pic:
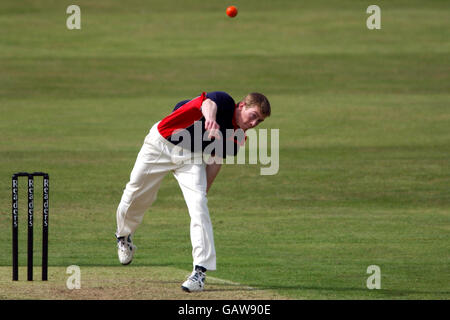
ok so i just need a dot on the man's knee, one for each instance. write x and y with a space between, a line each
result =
198 201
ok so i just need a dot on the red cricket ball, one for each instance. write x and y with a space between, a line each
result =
232 11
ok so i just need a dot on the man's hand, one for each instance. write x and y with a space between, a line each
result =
209 111
213 128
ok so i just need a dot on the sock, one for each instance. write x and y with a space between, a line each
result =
200 268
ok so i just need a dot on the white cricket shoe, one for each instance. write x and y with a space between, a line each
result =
195 282
125 249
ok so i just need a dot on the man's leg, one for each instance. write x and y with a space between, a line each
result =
139 194
152 164
192 181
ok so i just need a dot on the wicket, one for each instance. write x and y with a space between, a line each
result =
15 224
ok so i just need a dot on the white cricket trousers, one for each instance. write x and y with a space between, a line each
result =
155 159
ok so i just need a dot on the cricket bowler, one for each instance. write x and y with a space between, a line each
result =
191 142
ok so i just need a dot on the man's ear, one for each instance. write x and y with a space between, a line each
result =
241 105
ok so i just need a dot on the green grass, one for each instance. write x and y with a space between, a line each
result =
364 124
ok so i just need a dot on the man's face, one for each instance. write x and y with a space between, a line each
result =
249 117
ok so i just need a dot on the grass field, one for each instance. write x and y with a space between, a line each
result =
364 120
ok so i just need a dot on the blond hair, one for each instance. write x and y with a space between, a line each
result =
259 100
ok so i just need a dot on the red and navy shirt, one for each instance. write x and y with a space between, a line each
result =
187 112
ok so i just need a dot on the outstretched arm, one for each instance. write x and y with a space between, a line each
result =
211 173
